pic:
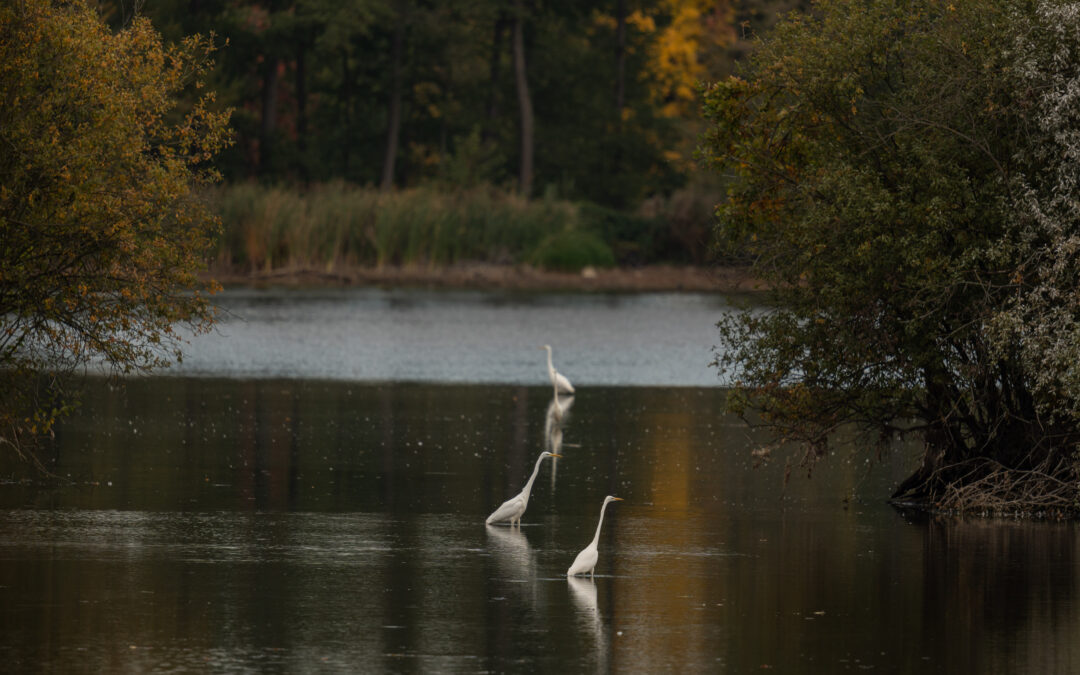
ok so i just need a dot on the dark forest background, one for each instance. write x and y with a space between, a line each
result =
595 103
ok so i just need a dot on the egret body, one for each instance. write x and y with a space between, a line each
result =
513 508
585 562
558 380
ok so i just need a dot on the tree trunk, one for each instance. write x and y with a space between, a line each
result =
268 123
393 130
301 110
943 440
495 70
524 101
620 60
345 111
614 159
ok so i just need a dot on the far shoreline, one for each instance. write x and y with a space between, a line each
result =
482 276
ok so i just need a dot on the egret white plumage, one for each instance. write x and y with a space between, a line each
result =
585 562
512 509
561 384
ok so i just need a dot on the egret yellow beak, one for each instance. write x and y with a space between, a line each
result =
554 455
617 499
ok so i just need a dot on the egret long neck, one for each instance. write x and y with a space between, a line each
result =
528 486
596 537
551 367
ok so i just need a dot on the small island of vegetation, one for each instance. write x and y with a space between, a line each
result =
904 174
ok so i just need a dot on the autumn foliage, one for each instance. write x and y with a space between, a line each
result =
904 176
101 237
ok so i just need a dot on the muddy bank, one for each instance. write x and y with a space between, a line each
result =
508 277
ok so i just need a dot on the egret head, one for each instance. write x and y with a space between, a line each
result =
613 499
551 454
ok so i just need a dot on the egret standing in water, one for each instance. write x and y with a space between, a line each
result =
585 562
561 384
513 508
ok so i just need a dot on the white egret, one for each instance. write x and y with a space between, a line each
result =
561 384
585 562
513 508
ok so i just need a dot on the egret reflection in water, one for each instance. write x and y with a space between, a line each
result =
583 592
554 421
557 413
513 556
583 598
554 441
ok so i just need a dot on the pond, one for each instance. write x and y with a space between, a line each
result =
265 521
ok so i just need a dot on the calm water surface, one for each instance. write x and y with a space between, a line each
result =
467 337
262 522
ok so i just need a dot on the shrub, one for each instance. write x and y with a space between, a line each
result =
572 251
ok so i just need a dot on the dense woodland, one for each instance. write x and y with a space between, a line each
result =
583 100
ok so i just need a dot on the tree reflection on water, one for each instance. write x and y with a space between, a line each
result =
298 524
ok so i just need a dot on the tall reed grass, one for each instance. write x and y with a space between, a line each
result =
336 226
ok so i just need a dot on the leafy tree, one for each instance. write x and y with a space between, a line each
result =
101 235
386 92
904 176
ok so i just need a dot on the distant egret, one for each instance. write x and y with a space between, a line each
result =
513 508
562 385
585 562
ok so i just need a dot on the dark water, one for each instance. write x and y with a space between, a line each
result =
270 525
